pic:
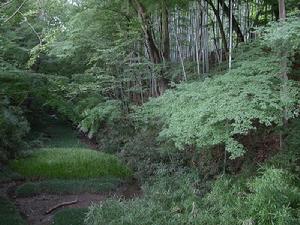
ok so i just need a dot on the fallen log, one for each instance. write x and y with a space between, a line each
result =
61 205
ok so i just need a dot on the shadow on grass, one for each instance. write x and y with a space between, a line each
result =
70 217
9 214
92 186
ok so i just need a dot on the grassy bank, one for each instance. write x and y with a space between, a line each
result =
70 163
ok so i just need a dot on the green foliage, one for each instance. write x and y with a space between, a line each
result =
279 35
112 138
106 122
9 214
68 186
224 204
94 67
70 163
169 200
220 109
83 98
70 217
108 112
274 198
289 157
25 97
270 198
147 156
21 87
13 128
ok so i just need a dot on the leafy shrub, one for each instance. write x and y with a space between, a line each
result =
221 109
13 129
289 157
107 123
281 34
107 112
146 155
112 138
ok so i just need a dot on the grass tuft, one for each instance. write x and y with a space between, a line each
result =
68 186
70 163
9 214
70 217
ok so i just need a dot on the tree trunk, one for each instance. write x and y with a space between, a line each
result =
217 14
235 24
181 59
284 75
282 14
153 51
146 26
230 33
165 32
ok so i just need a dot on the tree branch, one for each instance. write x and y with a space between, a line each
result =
18 10
32 28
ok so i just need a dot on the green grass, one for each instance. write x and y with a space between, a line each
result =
68 186
70 163
70 217
9 214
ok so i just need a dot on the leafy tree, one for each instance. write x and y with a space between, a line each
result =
221 109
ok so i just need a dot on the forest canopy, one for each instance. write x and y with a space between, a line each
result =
197 100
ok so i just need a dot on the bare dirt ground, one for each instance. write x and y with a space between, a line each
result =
34 209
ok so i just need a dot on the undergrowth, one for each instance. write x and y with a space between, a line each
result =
272 197
61 135
7 175
170 200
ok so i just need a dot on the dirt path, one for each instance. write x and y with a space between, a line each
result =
35 208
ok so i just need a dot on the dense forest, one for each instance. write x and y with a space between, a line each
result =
149 112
